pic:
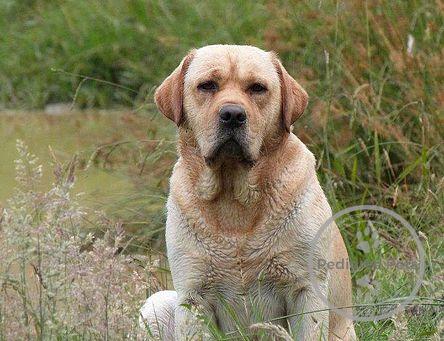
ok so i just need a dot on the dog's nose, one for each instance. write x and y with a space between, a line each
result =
232 116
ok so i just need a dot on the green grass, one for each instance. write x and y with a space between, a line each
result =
375 120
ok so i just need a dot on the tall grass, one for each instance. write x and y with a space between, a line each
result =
57 280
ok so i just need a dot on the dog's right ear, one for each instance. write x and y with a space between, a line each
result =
169 95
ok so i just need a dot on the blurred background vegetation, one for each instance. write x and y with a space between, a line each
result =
79 76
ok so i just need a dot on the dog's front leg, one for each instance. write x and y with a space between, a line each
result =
306 321
190 318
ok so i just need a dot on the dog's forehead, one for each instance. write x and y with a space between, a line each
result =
239 60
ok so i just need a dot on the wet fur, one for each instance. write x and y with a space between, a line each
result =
240 232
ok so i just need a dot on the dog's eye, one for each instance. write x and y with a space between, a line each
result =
257 88
208 86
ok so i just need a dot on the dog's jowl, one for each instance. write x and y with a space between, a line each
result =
244 205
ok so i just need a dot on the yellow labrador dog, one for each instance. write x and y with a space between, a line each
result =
244 204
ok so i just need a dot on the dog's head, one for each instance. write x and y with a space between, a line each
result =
235 100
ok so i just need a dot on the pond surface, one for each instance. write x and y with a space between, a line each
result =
66 135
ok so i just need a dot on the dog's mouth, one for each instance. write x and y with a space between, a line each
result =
229 150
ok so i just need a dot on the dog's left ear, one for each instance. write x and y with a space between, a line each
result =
294 98
169 95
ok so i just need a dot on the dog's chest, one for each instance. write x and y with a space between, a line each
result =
248 276
269 255
244 263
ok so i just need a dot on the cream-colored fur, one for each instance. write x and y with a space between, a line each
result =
238 235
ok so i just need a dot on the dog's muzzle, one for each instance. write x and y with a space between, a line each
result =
232 142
